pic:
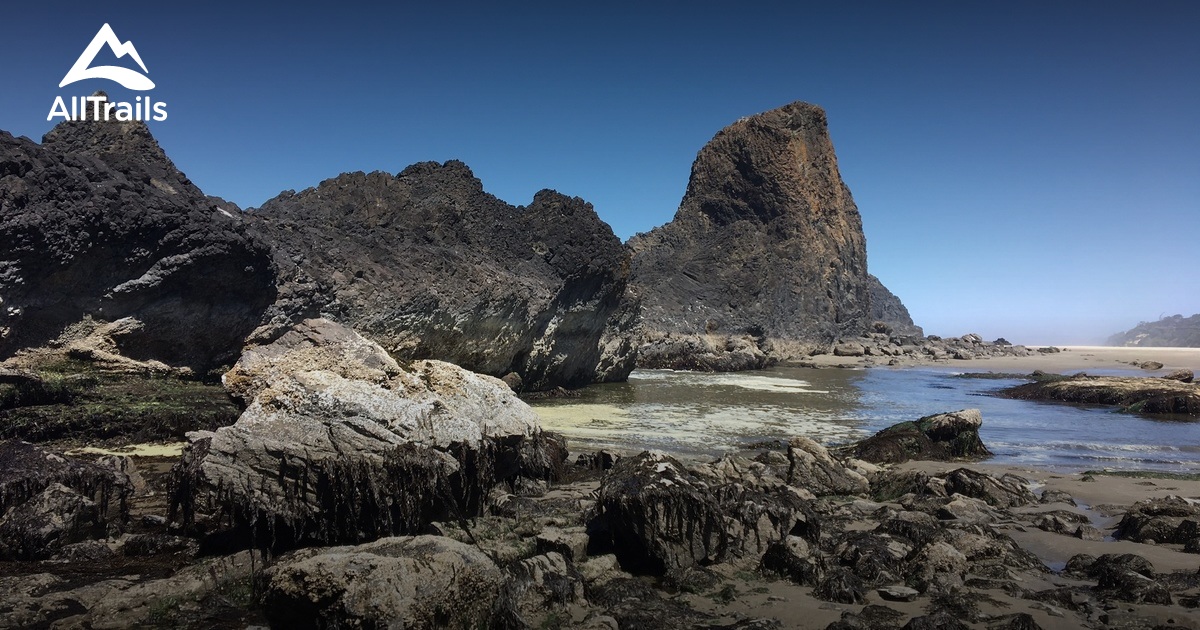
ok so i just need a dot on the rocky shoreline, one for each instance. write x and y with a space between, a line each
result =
423 495
361 463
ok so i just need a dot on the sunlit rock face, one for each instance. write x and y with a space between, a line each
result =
340 443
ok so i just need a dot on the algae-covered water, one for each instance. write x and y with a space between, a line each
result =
700 414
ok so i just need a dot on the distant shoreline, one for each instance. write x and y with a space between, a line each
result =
1070 359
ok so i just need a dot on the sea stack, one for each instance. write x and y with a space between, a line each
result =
765 258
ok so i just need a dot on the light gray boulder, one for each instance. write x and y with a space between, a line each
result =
403 582
339 443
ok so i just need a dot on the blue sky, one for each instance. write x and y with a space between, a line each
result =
1024 169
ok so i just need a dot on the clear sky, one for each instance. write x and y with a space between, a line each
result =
1024 169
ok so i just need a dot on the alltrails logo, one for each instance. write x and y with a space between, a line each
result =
98 107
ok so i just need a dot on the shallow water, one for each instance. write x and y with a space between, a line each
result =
700 414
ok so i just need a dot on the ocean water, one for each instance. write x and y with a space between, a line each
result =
701 415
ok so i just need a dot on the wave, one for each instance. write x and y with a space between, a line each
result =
1098 446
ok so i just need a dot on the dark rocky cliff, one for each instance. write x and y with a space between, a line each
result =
430 266
887 308
98 226
765 257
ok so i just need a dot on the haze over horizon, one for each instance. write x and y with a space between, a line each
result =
1023 170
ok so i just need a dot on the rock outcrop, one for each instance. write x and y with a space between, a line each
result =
412 582
1169 519
1134 394
109 254
664 517
48 501
98 226
810 466
430 266
940 437
885 346
340 444
766 248
887 309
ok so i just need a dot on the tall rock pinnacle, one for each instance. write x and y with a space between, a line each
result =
765 256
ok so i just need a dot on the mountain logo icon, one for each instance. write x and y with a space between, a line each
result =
131 79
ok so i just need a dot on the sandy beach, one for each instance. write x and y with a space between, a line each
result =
1069 359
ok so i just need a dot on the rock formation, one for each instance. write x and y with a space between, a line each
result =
872 348
664 517
1134 394
810 466
888 309
1169 519
340 444
765 257
413 582
940 437
430 266
108 253
48 501
98 226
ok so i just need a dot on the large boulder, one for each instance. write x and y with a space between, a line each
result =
941 437
662 516
57 517
1128 577
767 246
97 225
339 443
1005 491
1161 519
406 582
430 266
946 494
1182 375
48 501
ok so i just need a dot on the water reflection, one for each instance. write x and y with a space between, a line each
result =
697 414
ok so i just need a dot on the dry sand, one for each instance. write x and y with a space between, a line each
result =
1070 359
1075 358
